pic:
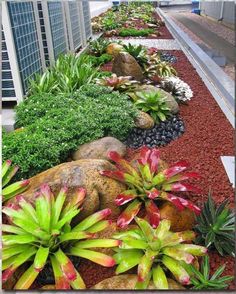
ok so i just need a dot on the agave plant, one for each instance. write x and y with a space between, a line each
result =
216 227
155 251
201 278
8 172
153 103
139 52
43 234
147 183
98 47
118 83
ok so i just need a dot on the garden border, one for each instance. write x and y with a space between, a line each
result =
221 88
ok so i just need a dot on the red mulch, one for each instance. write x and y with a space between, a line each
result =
208 135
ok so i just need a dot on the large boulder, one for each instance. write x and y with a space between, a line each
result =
127 282
169 99
99 149
101 190
144 121
114 49
180 220
125 65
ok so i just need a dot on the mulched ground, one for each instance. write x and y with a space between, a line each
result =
208 135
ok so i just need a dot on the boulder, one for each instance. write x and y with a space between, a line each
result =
99 149
114 49
101 190
127 282
125 65
169 99
170 102
144 121
180 220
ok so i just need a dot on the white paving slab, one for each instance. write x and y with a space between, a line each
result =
162 44
229 165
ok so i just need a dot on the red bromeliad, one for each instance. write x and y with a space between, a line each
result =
148 183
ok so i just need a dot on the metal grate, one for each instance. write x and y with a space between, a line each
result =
7 81
87 21
55 11
26 40
75 25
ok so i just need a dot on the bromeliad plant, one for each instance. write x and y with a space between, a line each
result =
153 103
216 227
156 251
161 69
139 52
98 47
121 84
147 183
201 278
8 172
43 234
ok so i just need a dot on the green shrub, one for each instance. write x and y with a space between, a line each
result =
135 33
97 61
50 136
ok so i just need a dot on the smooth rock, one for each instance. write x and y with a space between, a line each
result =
169 99
127 282
180 220
101 190
114 49
99 149
144 121
125 65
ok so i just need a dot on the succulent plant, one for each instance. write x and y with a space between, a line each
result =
156 251
161 69
201 278
98 47
139 52
8 172
118 83
43 234
147 183
178 88
216 227
153 103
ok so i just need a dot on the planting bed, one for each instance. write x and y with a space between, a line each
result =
208 135
199 134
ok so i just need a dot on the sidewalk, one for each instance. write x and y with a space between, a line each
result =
209 34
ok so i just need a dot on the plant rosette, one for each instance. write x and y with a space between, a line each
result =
157 252
43 234
146 184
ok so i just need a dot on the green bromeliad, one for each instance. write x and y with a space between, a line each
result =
43 234
156 252
8 172
147 183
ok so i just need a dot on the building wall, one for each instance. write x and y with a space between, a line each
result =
219 10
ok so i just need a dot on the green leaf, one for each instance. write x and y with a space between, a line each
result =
159 278
27 279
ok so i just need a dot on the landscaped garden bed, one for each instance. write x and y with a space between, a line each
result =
76 121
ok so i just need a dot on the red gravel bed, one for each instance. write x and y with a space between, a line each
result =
208 135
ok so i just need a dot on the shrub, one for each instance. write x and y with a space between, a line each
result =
98 47
43 234
155 251
131 32
50 136
147 183
97 61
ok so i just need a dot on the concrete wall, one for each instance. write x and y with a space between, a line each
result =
97 7
219 10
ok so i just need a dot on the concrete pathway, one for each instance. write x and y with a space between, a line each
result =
161 44
211 39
